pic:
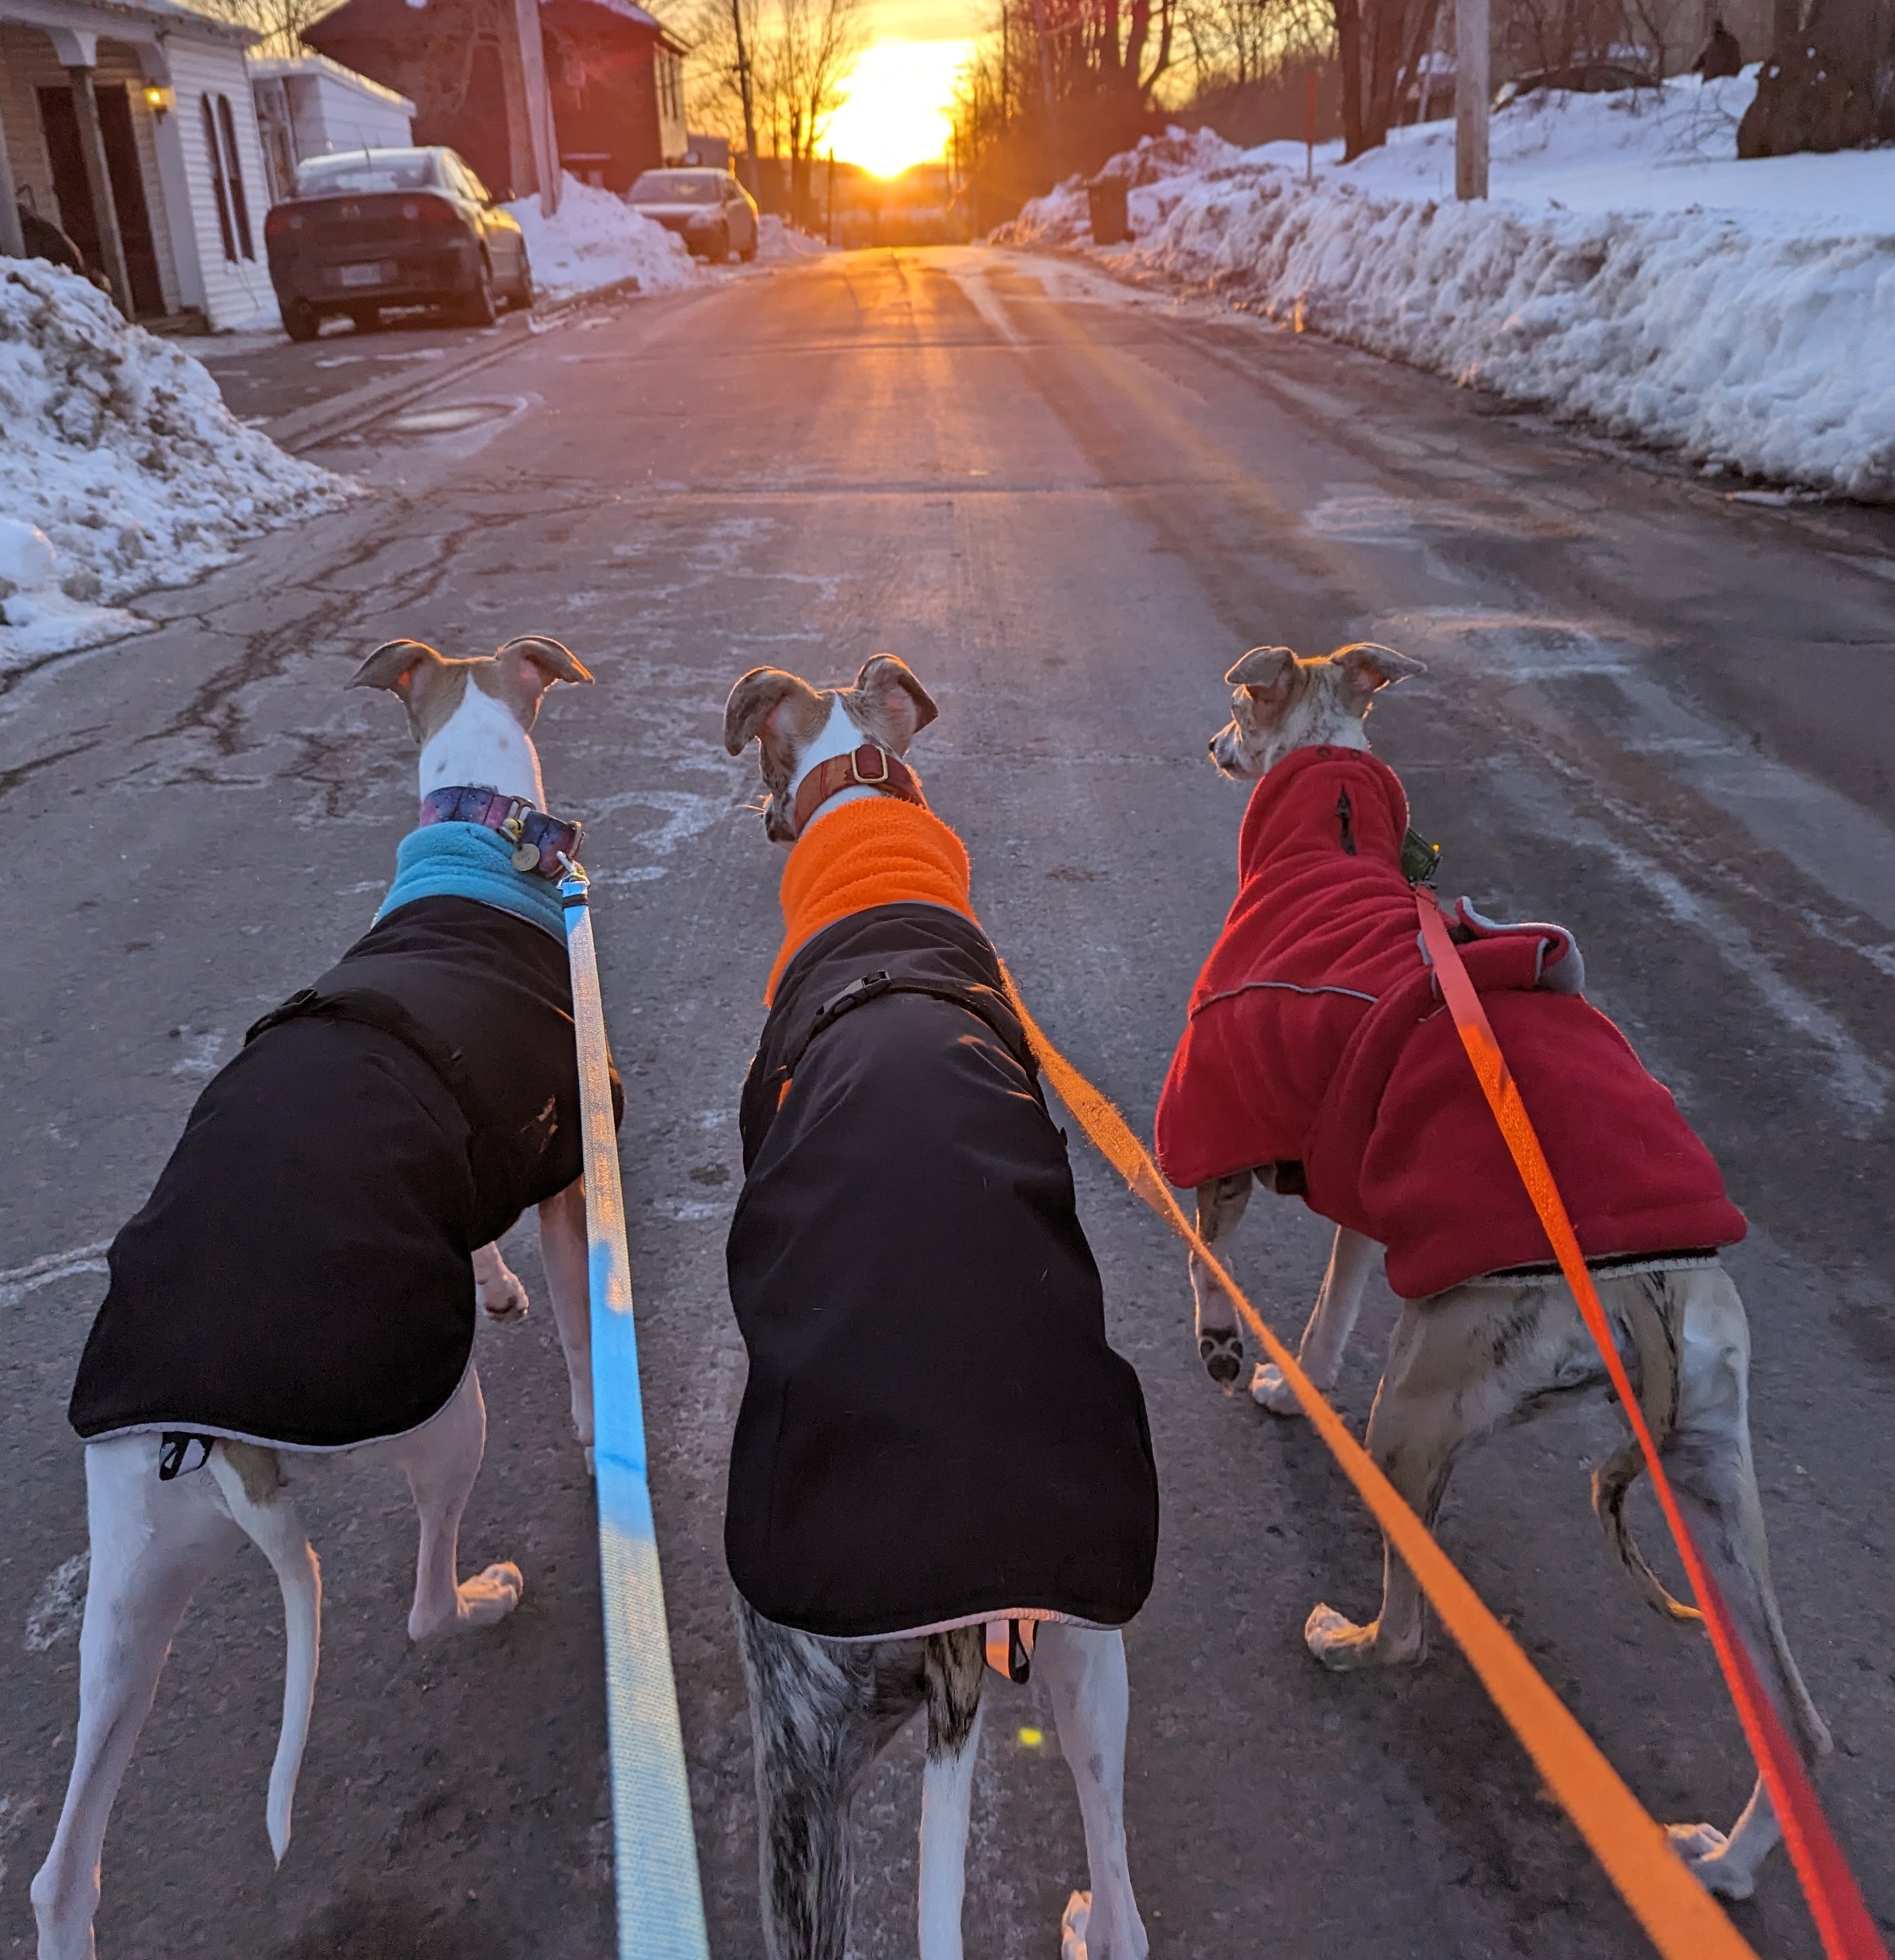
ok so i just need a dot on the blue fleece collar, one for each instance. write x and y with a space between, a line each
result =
467 860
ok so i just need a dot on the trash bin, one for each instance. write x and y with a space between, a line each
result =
1105 202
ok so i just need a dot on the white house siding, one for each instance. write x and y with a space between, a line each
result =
235 292
332 114
21 51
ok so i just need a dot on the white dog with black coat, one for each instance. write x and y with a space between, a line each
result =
304 1280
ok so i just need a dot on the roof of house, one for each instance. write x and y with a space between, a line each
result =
278 67
626 10
96 16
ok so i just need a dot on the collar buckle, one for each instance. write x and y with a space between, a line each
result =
856 765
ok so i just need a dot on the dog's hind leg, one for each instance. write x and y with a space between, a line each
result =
954 1664
1221 1204
153 1544
1459 1365
1084 1669
821 1712
1352 1261
564 1252
1711 1469
442 1459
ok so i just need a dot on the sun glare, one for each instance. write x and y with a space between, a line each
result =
894 110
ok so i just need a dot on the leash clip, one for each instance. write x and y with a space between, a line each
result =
574 887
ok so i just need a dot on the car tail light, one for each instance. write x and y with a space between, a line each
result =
282 219
431 211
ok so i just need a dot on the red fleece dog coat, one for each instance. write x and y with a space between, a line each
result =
1317 1035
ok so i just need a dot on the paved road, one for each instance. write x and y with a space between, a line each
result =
265 375
1658 714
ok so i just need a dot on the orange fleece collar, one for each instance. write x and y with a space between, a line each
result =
878 852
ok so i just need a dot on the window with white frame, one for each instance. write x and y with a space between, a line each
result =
227 179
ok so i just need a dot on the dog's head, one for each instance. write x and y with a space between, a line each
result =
1280 701
797 726
473 718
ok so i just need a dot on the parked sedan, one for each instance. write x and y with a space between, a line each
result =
709 209
369 228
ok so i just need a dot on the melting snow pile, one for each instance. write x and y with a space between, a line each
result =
120 467
776 241
596 239
1628 270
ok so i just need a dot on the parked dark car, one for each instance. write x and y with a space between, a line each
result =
709 209
366 229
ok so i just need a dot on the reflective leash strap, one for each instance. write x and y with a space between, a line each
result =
1835 1901
1683 1920
661 1904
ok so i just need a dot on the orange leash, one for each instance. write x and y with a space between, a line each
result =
1835 1901
1683 1920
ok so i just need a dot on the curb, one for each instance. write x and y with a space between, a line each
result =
321 422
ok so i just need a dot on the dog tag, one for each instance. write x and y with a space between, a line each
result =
527 858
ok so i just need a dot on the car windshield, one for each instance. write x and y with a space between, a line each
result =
359 171
677 187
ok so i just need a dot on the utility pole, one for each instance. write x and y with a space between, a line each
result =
1471 33
743 86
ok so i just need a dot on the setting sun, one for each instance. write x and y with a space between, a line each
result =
894 111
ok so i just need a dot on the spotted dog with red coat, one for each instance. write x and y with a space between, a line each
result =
1319 1061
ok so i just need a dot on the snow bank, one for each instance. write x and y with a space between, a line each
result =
1628 271
777 243
120 467
598 240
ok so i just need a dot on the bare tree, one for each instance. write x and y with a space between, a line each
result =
799 53
280 22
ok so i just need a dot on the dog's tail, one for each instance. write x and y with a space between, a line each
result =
1650 1320
252 1483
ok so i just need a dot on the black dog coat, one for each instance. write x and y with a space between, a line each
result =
302 1274
934 1431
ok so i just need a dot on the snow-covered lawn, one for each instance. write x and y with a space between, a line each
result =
596 239
120 467
1627 269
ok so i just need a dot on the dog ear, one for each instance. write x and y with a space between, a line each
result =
392 665
755 698
896 697
1367 668
525 668
1266 671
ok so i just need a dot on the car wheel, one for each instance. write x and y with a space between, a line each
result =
748 253
367 319
478 308
522 299
300 320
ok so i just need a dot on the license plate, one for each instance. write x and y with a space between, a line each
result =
362 276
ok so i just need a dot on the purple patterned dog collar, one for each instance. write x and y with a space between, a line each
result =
539 840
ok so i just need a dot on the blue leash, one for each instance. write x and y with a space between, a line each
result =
660 1903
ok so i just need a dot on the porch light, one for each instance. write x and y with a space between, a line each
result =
158 99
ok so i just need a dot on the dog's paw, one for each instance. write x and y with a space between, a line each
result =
1343 1646
1702 1848
500 1293
1222 1351
477 1602
1072 1926
1269 1388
